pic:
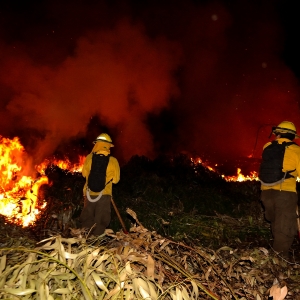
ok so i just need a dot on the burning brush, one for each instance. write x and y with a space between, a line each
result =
19 201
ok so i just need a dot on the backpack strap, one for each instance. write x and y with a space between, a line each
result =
288 173
289 144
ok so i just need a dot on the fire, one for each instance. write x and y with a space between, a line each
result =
198 160
18 193
239 177
62 164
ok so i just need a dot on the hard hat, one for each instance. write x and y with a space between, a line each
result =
285 127
104 137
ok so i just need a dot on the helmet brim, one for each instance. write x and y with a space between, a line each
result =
96 141
278 130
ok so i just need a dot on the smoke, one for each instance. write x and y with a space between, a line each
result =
216 71
234 81
118 74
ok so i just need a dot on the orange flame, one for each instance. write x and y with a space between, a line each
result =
18 194
238 177
62 164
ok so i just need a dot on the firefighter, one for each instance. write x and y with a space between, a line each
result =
280 198
96 213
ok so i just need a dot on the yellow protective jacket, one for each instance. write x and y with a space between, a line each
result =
112 171
291 161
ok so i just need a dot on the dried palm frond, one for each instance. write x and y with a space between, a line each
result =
139 265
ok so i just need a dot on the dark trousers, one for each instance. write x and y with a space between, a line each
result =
280 210
96 213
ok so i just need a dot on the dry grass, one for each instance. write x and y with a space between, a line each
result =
138 265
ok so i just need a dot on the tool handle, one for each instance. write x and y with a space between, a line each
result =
298 221
119 216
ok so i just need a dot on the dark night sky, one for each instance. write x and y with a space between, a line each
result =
199 77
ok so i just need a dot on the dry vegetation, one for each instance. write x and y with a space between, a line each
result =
173 250
138 265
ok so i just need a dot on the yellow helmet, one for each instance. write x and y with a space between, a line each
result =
104 137
285 127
